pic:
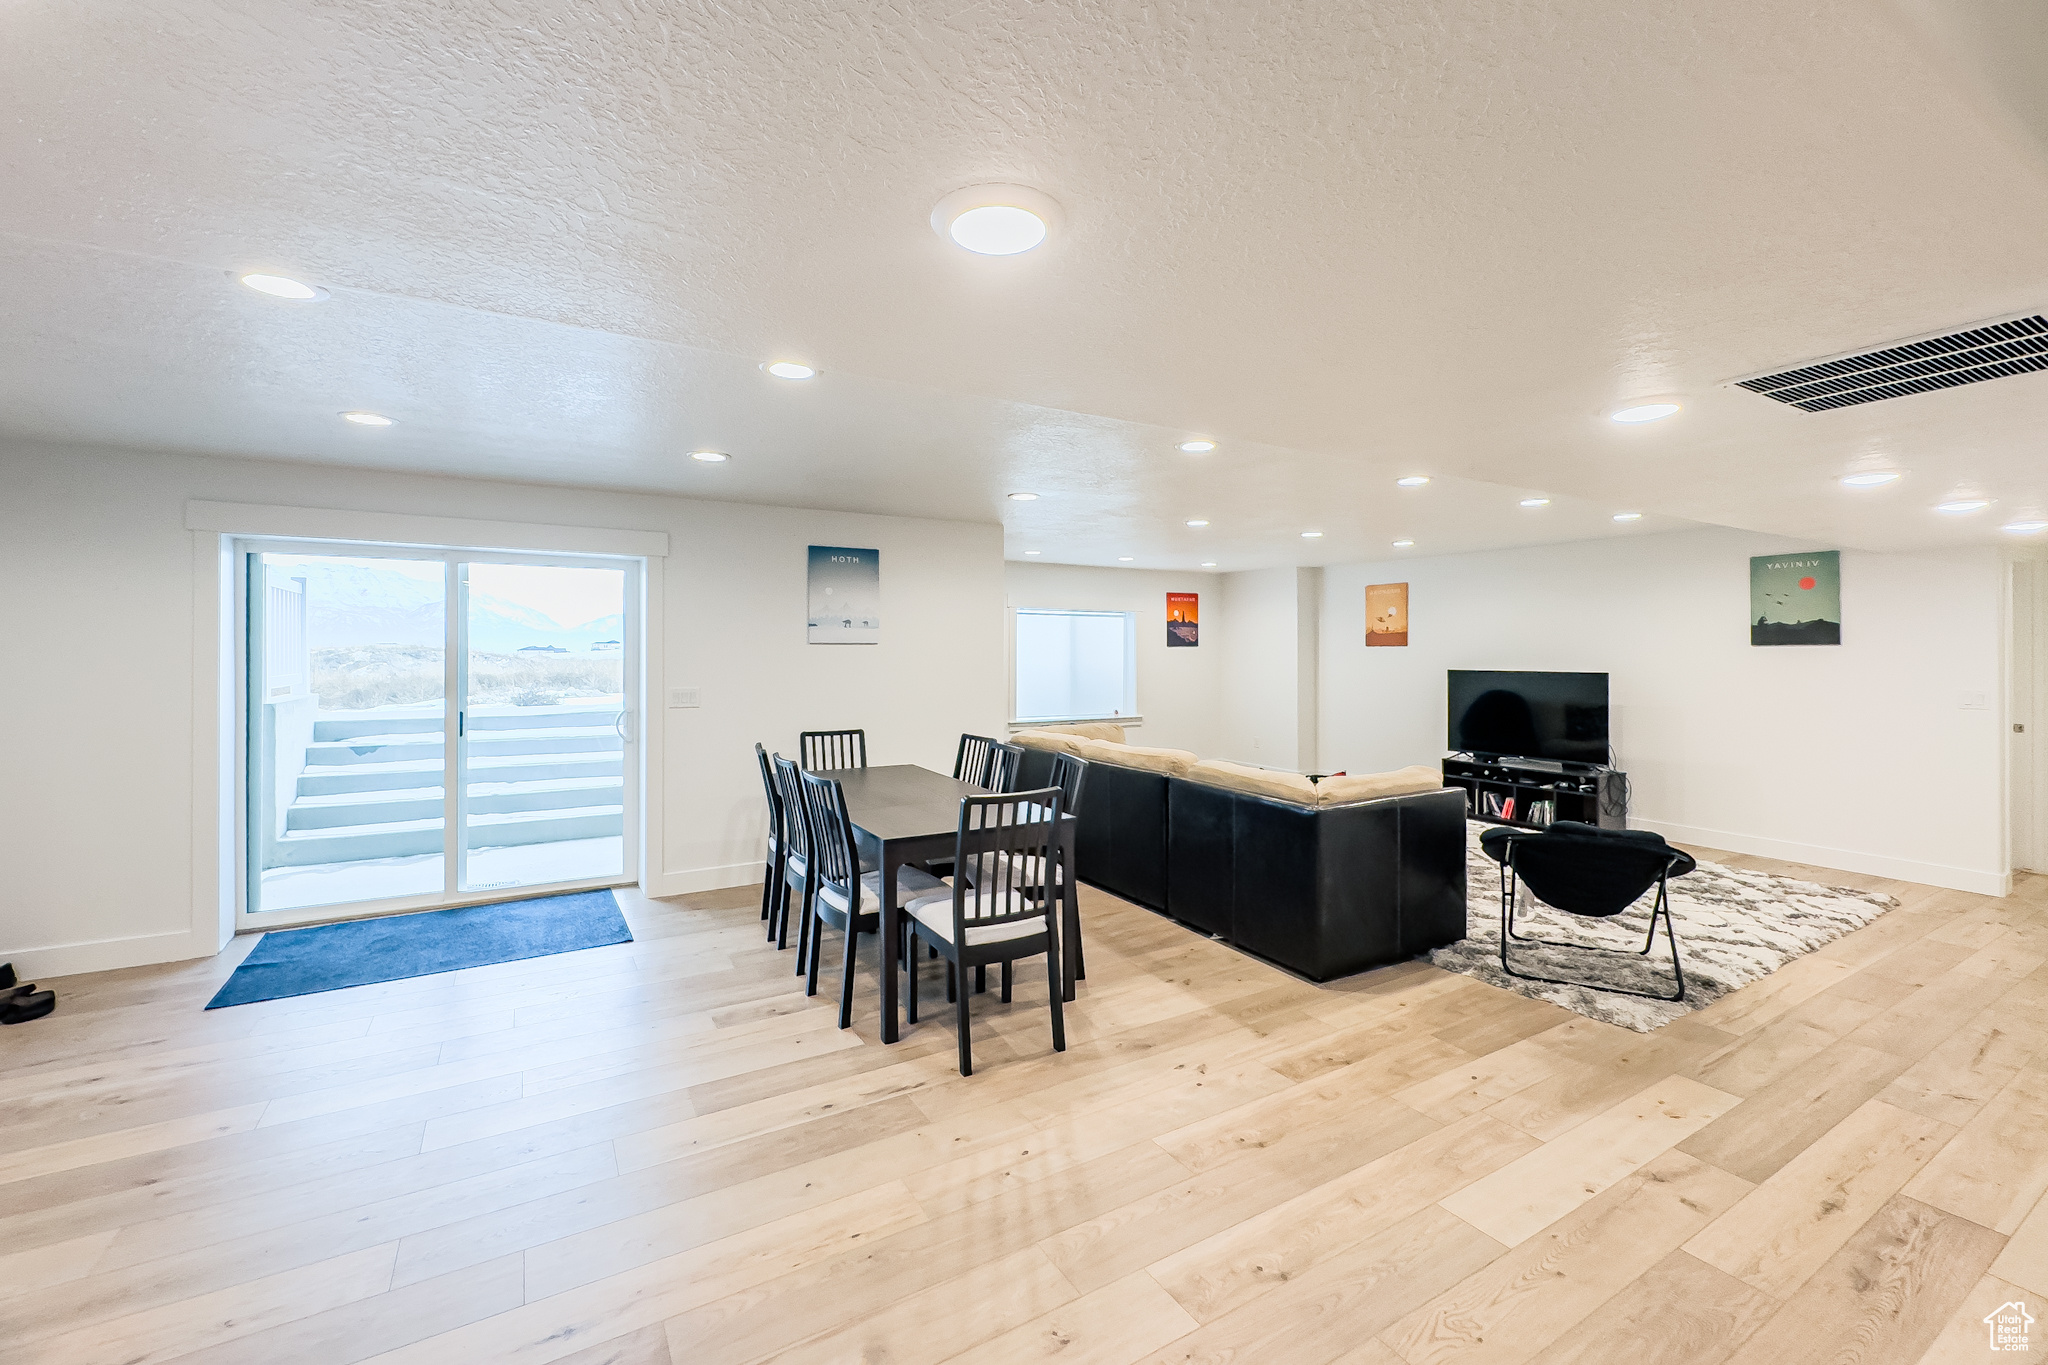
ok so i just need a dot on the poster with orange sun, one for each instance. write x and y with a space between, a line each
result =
1386 614
1183 620
1796 599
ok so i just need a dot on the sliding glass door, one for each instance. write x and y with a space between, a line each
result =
429 727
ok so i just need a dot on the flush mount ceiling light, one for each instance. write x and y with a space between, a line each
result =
710 456
1311 535
1628 516
1872 480
789 369
1197 447
1403 544
1412 481
996 220
1535 502
2024 528
1961 505
1197 523
1643 412
1023 497
367 419
283 287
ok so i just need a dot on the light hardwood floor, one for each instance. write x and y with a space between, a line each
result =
664 1152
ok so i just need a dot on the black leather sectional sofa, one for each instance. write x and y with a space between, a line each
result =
1324 891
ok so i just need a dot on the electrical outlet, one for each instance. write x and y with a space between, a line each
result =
683 696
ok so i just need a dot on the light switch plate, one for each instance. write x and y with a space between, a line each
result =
1974 701
683 696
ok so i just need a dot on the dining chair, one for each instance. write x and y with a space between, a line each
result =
970 764
1069 774
992 915
825 750
772 883
796 860
1003 763
837 883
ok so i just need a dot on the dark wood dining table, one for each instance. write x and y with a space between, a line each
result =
906 814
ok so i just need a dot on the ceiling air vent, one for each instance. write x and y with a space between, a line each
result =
1992 351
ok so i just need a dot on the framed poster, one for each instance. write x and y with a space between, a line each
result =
845 596
1183 619
1796 599
1386 614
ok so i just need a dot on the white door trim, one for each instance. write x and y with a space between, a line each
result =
406 529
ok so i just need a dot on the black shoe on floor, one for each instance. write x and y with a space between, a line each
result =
6 975
20 1009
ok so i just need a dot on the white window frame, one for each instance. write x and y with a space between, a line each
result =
1131 714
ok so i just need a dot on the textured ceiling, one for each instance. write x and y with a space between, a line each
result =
1346 242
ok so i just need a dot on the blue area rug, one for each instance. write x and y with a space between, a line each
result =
329 957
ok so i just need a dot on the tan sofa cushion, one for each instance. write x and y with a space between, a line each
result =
1052 741
1172 762
1333 791
1107 731
1240 777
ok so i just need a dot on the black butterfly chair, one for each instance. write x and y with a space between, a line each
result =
1584 870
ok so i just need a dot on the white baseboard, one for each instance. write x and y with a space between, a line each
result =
1846 860
703 879
103 955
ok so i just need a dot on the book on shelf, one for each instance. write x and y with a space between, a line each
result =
1507 809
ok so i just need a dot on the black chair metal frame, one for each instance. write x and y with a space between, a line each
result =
774 887
796 860
970 763
1510 884
825 750
835 869
1010 838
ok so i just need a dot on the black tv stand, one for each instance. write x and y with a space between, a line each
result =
1543 791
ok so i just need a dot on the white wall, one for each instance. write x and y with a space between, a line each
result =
1270 669
1180 690
1857 757
98 809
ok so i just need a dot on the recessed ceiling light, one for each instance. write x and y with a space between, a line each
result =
710 456
1197 447
1535 502
1403 544
1034 552
1628 516
2024 528
1413 481
789 369
1642 412
1868 480
1125 559
1023 497
1198 523
1963 505
996 220
283 287
1311 535
1208 563
367 419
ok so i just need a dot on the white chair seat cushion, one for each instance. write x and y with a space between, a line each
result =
910 882
935 911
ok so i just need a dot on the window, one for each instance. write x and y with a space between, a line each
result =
1075 665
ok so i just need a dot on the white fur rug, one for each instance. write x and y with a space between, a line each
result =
1734 927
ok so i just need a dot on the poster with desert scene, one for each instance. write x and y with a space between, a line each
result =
1183 620
1386 614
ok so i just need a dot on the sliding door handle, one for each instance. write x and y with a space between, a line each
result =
621 724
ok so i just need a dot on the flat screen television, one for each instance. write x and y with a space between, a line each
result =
1529 715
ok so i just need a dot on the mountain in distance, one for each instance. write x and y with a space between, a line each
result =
351 605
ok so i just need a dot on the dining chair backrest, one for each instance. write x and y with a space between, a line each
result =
1007 839
796 824
970 764
775 834
1004 762
825 750
834 860
1068 774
